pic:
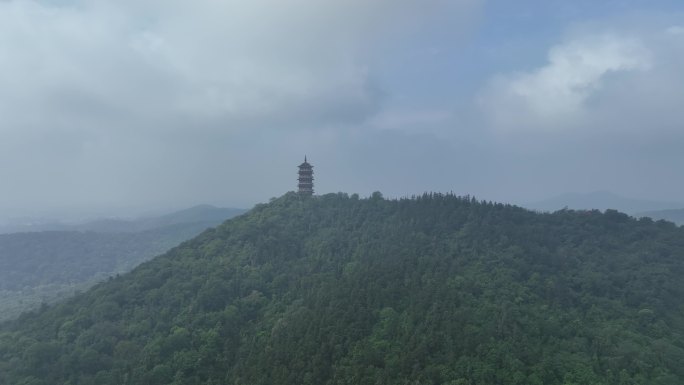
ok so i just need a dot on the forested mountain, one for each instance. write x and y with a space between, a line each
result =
43 267
339 290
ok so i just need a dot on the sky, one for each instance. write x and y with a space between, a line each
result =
118 108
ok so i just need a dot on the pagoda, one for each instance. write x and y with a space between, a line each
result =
305 178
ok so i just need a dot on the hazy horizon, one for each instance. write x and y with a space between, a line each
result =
573 200
135 107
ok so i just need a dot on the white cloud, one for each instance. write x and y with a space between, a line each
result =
240 62
676 30
96 97
203 62
556 94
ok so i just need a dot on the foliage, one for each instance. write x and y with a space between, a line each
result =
44 267
435 289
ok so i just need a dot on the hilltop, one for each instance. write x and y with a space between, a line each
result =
333 289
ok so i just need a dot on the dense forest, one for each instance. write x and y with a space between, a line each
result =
43 267
333 289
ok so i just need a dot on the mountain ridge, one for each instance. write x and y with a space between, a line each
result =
203 213
599 200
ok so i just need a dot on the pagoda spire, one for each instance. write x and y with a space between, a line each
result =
305 180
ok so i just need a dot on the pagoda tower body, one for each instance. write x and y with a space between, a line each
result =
305 184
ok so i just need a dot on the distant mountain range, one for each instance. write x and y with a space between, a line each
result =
207 214
45 266
674 215
601 200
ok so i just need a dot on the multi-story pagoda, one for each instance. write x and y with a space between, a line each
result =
305 178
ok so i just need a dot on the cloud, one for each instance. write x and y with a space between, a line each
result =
104 101
233 63
160 103
412 120
219 60
557 94
676 30
603 111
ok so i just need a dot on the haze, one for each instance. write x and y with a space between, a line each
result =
111 108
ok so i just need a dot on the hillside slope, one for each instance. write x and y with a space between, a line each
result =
338 290
45 267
